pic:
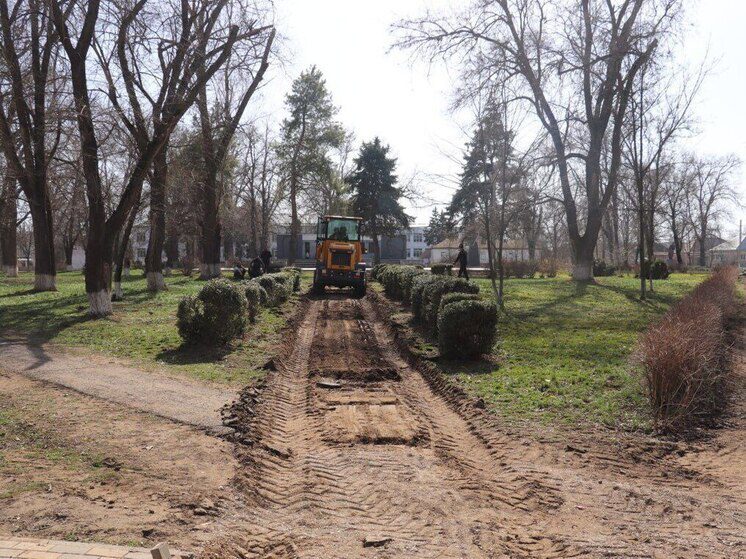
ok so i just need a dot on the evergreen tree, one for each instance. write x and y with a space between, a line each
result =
375 196
308 134
439 228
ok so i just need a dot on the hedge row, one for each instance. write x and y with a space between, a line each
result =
685 356
222 309
451 307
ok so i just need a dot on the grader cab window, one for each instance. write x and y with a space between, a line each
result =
339 230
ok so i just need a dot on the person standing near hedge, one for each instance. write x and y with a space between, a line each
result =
266 257
462 260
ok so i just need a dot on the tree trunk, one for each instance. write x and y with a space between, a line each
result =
702 249
172 249
45 267
294 223
641 240
153 256
582 249
121 254
376 247
8 230
211 234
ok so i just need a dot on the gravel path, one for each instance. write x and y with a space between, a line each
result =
182 400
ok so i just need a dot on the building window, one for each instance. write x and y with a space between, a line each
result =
417 252
418 237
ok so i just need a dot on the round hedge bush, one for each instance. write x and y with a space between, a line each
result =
467 329
256 297
215 316
433 293
419 284
455 297
441 269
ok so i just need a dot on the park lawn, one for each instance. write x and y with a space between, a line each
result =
565 348
142 328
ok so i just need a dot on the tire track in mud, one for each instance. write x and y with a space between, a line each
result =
349 453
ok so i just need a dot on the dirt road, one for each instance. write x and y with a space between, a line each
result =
348 452
178 399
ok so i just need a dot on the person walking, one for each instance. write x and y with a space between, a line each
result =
266 257
462 260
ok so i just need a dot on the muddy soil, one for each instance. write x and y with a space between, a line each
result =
350 451
80 468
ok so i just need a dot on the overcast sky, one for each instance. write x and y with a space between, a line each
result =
406 103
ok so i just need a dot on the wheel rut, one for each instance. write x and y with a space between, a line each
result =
349 453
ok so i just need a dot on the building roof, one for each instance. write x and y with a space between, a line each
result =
510 244
729 245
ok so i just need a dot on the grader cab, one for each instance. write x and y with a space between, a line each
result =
339 254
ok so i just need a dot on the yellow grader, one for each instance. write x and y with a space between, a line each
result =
339 254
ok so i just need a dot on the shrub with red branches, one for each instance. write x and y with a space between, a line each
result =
685 356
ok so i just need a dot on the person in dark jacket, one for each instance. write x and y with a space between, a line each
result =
266 257
462 260
256 268
239 272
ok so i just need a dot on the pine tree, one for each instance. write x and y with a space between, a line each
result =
307 136
375 196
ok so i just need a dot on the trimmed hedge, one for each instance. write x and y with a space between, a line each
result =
397 281
295 273
467 328
433 292
256 297
602 269
215 316
278 286
456 297
419 284
376 270
441 269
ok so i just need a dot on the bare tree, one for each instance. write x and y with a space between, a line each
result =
245 67
196 23
712 191
9 224
574 63
261 191
28 109
659 113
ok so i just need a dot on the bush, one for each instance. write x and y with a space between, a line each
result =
376 270
419 283
467 328
433 293
456 297
256 297
279 287
658 270
548 268
397 281
601 269
215 316
441 269
520 268
685 356
295 273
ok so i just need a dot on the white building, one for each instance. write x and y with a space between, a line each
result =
416 244
445 252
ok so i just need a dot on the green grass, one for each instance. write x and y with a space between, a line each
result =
142 328
565 350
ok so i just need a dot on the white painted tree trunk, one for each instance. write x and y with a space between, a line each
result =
126 272
155 281
45 282
100 303
582 271
10 271
209 271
